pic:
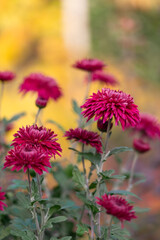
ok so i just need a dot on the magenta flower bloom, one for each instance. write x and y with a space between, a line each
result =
141 146
89 65
27 157
45 86
109 103
104 78
2 197
148 126
117 207
6 76
86 137
39 137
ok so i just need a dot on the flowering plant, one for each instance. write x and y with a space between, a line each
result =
87 200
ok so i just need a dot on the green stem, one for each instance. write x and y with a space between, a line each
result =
34 210
87 193
130 185
109 229
99 170
37 115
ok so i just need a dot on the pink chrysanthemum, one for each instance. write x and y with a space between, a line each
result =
104 78
6 76
148 126
45 86
40 137
117 206
109 103
27 157
141 146
86 137
89 65
2 197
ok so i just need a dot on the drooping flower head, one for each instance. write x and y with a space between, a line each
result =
117 207
89 65
104 78
86 137
2 197
6 76
109 103
45 86
39 137
141 146
148 126
27 157
102 127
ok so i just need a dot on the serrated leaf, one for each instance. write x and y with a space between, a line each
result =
107 173
66 238
94 209
119 150
123 192
23 199
54 209
78 178
25 235
81 229
118 233
58 219
57 124
75 107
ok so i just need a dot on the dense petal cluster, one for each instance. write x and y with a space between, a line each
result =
117 206
2 197
141 146
6 76
109 103
148 126
27 157
45 86
86 137
40 137
104 78
89 65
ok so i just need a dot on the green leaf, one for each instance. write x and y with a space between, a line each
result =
16 117
78 178
23 199
92 207
75 107
107 173
141 210
81 229
25 235
119 150
54 209
57 124
123 192
4 232
17 183
66 238
58 219
118 233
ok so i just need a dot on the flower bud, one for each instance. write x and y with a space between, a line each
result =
103 126
141 146
41 102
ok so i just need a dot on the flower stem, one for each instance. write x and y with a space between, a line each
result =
109 229
132 172
87 193
34 210
37 115
99 170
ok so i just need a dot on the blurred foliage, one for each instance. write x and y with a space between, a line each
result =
127 34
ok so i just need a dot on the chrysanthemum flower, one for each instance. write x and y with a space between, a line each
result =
86 137
27 157
104 78
148 126
6 76
89 65
45 86
2 197
109 103
141 146
117 207
40 137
